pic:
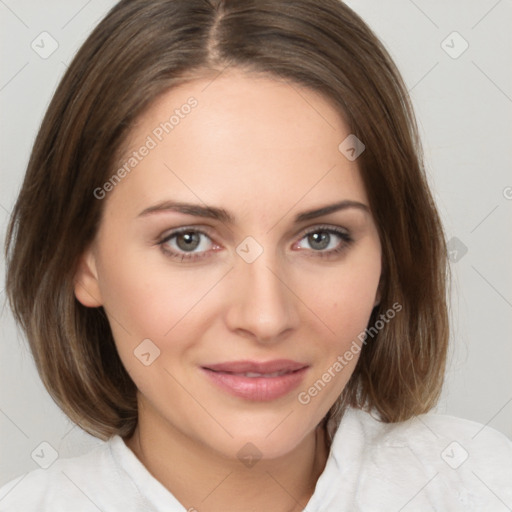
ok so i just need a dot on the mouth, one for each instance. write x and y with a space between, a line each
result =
257 381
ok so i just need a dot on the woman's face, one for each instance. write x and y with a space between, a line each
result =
237 261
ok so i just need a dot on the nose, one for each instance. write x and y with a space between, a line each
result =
262 304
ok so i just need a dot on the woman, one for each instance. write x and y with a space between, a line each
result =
241 286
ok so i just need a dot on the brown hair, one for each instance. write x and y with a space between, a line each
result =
142 49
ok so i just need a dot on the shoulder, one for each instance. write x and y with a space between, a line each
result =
424 428
448 461
87 482
439 437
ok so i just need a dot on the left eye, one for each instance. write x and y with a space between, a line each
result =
321 240
189 241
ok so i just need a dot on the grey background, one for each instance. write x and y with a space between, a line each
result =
464 108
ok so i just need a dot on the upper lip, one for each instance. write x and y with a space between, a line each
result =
278 365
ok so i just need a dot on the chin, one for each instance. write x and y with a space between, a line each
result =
264 438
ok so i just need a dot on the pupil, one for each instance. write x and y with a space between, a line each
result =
319 240
188 241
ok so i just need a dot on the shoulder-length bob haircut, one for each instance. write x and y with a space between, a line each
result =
142 49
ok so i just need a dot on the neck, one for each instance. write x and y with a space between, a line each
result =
206 481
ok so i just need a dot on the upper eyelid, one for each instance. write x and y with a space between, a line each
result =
337 230
185 229
205 231
325 227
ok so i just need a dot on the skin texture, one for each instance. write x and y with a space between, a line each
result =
264 151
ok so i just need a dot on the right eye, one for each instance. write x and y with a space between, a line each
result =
187 243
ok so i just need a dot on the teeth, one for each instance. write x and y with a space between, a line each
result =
254 374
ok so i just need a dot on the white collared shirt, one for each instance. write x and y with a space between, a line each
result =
429 463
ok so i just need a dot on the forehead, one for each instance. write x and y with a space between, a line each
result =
244 142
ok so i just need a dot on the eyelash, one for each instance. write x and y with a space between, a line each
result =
183 255
346 241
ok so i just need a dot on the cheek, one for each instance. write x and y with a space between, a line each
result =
146 296
154 301
345 298
343 302
352 303
151 312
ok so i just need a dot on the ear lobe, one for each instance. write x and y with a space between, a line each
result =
86 285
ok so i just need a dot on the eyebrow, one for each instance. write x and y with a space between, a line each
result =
222 215
197 210
326 210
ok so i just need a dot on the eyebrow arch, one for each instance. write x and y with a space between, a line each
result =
197 210
326 210
222 215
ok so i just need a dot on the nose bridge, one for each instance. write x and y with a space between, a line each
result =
262 304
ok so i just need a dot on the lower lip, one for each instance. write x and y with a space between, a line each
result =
258 389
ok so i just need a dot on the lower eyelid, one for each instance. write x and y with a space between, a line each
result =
184 256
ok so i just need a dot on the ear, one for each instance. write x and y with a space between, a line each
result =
86 284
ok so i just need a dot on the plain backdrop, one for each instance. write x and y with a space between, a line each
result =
455 58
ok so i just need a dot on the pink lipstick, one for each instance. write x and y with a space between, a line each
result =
257 381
